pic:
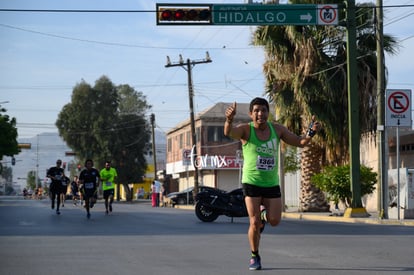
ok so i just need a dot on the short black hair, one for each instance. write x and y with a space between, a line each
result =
258 101
86 161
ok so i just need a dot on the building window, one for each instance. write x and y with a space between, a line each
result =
181 141
216 134
198 134
188 138
169 145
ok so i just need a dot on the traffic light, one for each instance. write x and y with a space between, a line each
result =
175 14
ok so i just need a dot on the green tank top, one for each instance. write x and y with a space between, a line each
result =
260 159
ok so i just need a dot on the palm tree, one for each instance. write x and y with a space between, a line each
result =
306 75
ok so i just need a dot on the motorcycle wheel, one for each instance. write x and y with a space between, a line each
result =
205 213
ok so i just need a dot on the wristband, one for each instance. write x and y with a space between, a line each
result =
229 121
311 132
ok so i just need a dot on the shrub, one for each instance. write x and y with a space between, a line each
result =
335 181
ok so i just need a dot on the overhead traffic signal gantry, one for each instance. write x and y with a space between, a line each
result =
183 14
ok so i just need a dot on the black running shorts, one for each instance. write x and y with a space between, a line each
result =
250 190
107 193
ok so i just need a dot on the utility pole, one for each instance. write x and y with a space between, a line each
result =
188 67
154 153
356 209
382 167
37 163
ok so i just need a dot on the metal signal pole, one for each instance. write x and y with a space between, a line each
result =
356 209
382 167
188 67
154 153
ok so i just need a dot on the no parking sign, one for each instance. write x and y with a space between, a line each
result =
398 108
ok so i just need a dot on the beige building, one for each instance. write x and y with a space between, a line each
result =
369 157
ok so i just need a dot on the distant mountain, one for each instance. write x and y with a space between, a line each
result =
46 148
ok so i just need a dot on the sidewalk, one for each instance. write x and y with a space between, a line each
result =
329 217
293 213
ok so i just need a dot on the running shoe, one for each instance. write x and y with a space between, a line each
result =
88 216
255 263
57 212
91 205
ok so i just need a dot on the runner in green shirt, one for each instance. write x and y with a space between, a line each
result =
260 143
108 175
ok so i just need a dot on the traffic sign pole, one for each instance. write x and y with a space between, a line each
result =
398 114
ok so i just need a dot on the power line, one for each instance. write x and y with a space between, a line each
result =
131 11
142 11
75 11
113 43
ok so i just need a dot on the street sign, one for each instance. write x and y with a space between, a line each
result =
24 145
186 157
398 111
285 14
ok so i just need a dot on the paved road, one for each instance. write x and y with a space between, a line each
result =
139 239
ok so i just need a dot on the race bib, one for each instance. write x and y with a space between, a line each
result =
89 185
265 163
108 183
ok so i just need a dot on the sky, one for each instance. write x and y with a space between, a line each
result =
45 54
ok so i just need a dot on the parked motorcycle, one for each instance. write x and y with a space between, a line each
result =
213 202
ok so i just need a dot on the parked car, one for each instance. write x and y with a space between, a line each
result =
180 198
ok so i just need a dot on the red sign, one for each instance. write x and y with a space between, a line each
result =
327 15
398 111
398 102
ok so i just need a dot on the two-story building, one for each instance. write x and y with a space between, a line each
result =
218 158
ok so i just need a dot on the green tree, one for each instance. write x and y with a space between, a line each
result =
106 122
7 175
8 135
85 122
32 182
306 74
132 136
